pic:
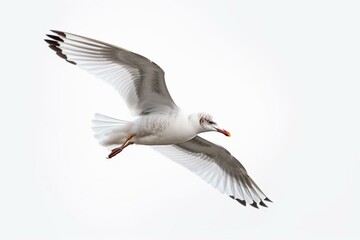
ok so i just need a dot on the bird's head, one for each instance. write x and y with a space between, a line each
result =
206 123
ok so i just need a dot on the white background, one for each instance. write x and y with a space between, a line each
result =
282 76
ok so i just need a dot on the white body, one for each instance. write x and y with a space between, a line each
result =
152 129
162 129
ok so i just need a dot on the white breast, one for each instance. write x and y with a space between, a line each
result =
159 129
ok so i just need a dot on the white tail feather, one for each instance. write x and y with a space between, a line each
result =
109 131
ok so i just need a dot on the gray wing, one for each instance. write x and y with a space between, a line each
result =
217 166
138 80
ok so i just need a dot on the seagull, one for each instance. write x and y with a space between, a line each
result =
158 121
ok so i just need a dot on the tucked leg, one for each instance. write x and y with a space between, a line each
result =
117 150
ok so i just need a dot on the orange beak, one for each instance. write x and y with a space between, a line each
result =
223 131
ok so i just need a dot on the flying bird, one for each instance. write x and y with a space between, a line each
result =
158 121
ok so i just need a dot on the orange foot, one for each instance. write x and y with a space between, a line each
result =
117 150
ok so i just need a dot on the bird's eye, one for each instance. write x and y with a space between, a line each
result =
206 121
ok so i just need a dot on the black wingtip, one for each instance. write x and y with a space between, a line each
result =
261 203
242 202
54 45
267 199
60 54
59 33
51 42
57 38
254 204
55 48
71 62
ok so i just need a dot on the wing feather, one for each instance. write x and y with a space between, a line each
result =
217 166
138 80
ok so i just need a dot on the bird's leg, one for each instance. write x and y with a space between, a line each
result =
117 150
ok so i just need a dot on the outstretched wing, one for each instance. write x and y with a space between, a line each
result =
138 80
218 167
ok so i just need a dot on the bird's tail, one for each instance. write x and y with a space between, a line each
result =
110 131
